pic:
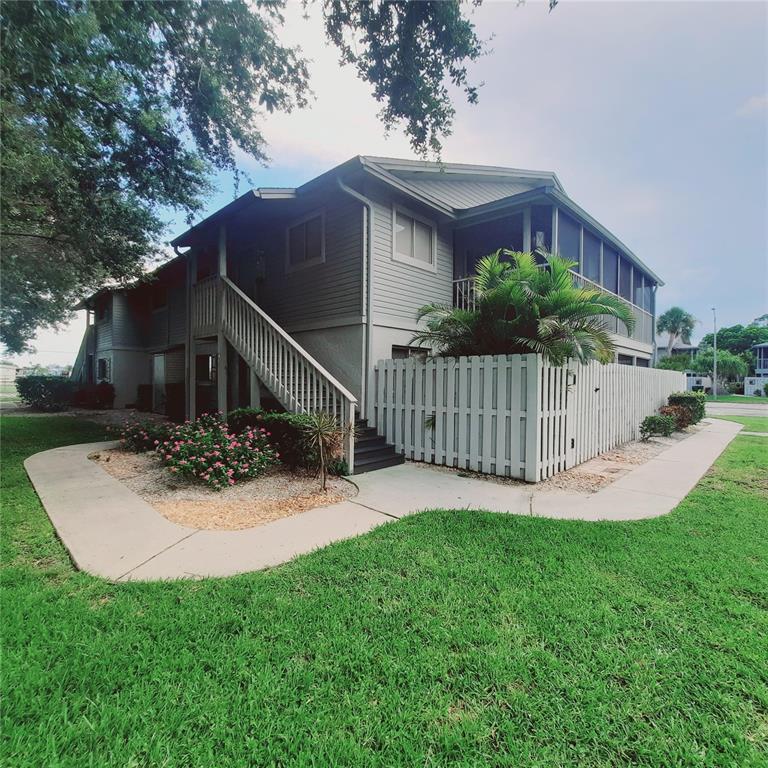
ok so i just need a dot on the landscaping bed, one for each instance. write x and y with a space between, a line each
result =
592 475
276 494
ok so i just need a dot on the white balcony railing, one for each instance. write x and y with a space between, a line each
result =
464 298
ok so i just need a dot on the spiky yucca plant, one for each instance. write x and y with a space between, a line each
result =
325 439
522 307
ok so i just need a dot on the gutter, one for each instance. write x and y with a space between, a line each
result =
367 283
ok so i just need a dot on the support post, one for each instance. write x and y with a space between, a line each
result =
255 394
221 342
191 379
527 229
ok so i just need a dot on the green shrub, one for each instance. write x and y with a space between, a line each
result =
694 401
208 451
765 388
679 413
141 436
45 393
657 425
285 431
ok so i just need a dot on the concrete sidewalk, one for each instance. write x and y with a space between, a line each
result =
111 532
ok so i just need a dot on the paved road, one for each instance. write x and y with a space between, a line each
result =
737 409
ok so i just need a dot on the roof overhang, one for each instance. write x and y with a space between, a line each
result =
238 205
488 211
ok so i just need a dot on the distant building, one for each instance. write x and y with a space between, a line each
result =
680 349
755 385
7 372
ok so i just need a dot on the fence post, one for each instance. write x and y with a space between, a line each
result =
533 419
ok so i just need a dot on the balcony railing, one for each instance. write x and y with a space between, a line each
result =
464 298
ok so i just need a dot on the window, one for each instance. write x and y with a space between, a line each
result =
404 353
541 227
625 360
637 288
103 366
414 239
642 362
591 257
625 279
610 269
568 236
306 242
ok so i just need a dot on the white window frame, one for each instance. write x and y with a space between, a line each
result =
433 235
312 262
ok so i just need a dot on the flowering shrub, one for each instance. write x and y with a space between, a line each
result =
207 451
141 436
679 413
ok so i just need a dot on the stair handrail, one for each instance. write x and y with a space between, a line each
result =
291 342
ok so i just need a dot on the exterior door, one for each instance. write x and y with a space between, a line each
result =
158 383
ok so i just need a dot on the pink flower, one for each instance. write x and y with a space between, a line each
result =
168 457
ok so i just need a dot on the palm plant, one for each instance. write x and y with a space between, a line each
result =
679 324
325 440
522 307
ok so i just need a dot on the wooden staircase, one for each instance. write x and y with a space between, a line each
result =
371 450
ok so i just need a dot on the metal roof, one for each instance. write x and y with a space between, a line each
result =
457 186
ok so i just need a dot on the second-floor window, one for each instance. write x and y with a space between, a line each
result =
414 239
306 242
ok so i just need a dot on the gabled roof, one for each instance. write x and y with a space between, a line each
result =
458 186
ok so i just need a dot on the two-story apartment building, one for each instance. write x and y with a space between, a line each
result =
299 292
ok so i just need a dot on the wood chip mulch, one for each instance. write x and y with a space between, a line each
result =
276 494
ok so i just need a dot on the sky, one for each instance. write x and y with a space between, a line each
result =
654 115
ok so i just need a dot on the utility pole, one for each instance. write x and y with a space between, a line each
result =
714 350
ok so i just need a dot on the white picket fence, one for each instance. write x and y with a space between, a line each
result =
513 415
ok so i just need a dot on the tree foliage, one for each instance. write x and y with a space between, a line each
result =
521 308
679 324
674 363
729 366
115 110
739 339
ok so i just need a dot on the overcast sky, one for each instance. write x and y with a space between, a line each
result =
653 115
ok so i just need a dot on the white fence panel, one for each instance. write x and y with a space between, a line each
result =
467 412
514 415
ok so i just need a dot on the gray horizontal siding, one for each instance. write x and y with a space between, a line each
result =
400 290
126 327
322 292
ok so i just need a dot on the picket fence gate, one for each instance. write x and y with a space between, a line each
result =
513 415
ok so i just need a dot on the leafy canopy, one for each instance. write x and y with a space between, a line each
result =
674 363
729 366
115 110
521 308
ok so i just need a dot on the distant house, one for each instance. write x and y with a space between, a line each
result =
680 349
755 385
295 294
7 372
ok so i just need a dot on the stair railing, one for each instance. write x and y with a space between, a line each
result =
296 379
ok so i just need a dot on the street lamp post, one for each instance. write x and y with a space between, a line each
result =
714 351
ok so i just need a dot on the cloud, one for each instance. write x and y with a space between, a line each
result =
754 105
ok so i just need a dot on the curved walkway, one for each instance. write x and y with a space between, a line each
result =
111 532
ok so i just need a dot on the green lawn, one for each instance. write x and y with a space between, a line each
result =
448 638
737 399
751 423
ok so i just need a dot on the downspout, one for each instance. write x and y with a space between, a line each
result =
368 283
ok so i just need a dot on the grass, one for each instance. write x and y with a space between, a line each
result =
448 638
737 399
751 423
